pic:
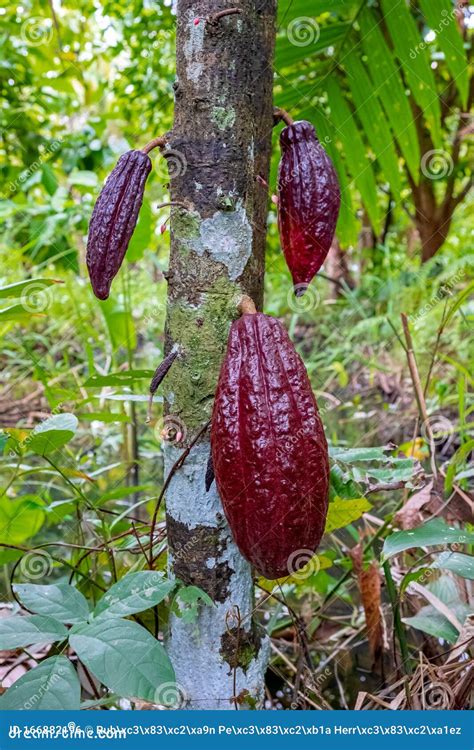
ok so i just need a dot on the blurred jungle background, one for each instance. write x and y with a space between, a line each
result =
381 617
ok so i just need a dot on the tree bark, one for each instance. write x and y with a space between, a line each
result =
219 146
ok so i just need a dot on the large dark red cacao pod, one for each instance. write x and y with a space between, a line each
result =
308 202
114 218
268 447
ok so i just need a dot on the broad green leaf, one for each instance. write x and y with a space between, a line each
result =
289 9
416 64
345 130
389 86
52 434
127 377
17 631
441 18
51 686
124 656
432 622
432 533
60 601
20 518
370 113
457 460
48 179
343 512
21 288
456 562
352 455
142 234
347 225
16 313
119 323
135 592
310 39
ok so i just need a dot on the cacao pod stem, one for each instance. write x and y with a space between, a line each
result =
159 142
160 373
280 114
246 305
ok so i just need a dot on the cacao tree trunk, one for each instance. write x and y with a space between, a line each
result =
218 148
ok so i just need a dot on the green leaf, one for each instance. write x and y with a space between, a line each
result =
48 179
187 602
432 622
52 434
51 686
389 85
20 518
441 18
352 455
135 592
416 64
17 313
289 9
124 656
456 562
126 377
142 234
21 288
371 115
60 601
315 39
354 150
432 533
18 632
343 512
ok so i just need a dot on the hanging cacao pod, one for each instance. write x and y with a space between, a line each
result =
269 451
114 218
308 202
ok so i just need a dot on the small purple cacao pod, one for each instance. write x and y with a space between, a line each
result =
114 218
308 202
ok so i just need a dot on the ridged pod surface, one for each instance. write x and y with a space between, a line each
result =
268 446
114 218
308 202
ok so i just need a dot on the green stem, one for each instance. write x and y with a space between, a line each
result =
397 622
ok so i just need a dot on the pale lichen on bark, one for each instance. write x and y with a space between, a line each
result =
222 132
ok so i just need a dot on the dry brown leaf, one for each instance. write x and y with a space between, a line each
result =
370 589
409 516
